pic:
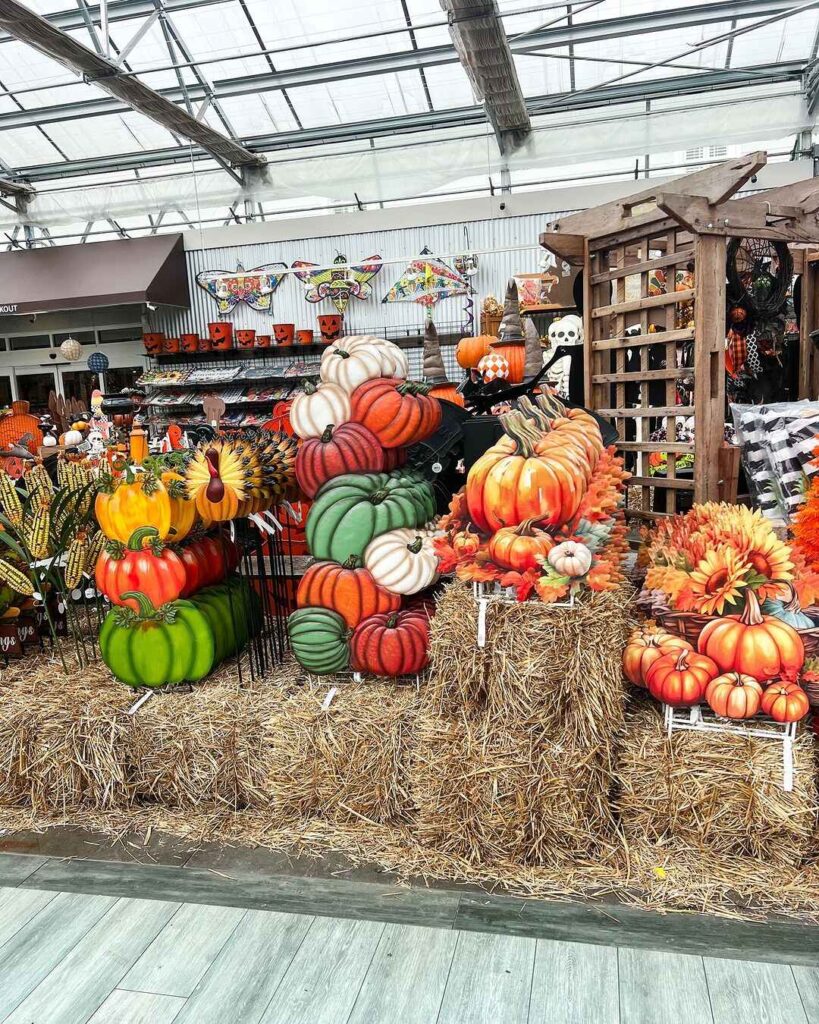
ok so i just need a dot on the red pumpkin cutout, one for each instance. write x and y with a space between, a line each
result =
246 338
680 678
785 702
189 342
395 644
349 448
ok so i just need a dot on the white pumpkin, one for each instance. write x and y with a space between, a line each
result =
316 408
402 561
394 361
570 558
71 438
350 367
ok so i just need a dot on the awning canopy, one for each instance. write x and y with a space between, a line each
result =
134 270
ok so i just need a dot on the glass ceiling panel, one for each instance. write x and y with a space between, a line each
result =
449 87
359 99
286 22
150 51
112 133
22 146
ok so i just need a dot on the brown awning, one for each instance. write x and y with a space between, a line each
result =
128 270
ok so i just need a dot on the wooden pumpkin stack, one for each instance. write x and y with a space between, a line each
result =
365 527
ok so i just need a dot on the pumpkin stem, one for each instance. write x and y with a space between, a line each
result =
115 549
526 528
351 563
752 616
140 535
327 436
520 430
391 621
308 387
792 605
416 545
682 661
146 608
378 496
341 352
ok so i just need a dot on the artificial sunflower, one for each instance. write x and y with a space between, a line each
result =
770 558
718 580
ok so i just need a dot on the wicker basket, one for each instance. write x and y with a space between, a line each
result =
810 640
688 625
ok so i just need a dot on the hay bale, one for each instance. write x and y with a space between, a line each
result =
721 794
492 795
344 761
554 670
63 737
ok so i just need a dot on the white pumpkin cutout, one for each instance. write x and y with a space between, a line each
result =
570 558
402 561
317 408
394 361
350 367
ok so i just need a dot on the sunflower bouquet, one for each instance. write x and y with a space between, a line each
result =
707 560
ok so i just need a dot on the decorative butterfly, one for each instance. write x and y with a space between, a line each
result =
426 280
255 287
338 283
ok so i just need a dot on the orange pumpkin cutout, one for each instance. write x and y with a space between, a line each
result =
680 678
221 335
785 702
466 542
753 644
734 695
470 351
21 427
645 646
330 325
246 338
519 547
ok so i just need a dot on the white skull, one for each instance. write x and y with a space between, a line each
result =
568 330
96 445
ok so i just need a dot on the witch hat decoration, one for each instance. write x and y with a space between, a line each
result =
534 353
511 328
434 372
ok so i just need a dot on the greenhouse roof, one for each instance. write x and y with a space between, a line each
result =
289 105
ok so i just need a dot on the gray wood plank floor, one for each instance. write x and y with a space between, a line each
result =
74 958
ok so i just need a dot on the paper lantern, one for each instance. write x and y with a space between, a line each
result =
98 362
493 367
71 349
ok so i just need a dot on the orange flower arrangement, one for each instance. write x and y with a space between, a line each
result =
705 560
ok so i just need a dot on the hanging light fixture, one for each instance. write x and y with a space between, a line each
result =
71 350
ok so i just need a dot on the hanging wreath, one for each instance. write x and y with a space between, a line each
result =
759 275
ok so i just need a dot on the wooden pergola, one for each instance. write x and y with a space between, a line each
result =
682 224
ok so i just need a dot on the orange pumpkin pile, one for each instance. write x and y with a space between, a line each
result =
540 509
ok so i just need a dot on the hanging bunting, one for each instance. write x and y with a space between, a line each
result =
426 280
254 287
340 283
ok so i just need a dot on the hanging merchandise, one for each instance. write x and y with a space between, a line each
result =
338 284
71 350
98 362
254 287
426 280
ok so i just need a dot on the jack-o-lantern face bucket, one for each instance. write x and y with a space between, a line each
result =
262 341
221 335
170 346
189 342
283 333
304 337
330 327
246 338
153 343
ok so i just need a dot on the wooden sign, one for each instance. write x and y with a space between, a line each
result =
10 646
27 628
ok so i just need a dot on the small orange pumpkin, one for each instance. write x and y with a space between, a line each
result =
734 695
785 702
466 542
514 352
644 647
518 547
680 678
470 351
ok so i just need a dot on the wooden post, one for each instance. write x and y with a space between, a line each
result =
588 358
709 364
807 323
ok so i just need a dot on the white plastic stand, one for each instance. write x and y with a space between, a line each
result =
694 720
483 593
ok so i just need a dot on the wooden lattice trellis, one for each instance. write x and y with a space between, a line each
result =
681 225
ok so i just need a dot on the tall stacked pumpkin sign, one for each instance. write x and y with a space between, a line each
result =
365 527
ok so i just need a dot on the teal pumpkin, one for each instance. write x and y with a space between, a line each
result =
320 640
789 611
349 511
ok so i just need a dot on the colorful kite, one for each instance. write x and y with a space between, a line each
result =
426 280
255 287
339 284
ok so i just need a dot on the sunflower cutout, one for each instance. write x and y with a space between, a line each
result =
718 580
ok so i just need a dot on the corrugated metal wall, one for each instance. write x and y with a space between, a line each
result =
371 315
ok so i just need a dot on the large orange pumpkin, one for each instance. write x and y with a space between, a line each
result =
470 351
734 695
518 547
347 589
752 643
512 481
514 352
644 647
785 702
398 412
680 678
